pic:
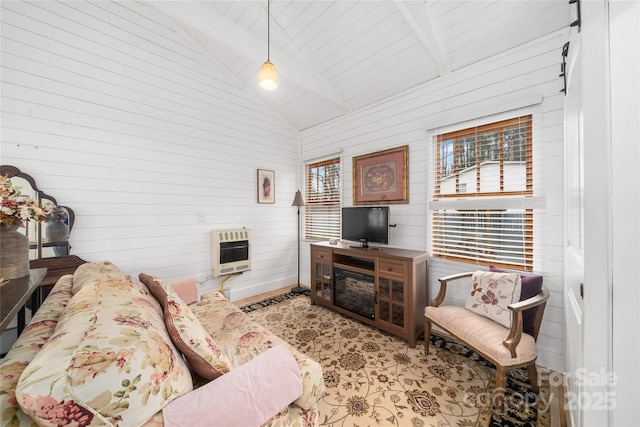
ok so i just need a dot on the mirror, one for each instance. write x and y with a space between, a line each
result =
46 239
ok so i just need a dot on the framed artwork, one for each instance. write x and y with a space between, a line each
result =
266 186
381 177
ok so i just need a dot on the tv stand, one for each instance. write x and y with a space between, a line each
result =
385 288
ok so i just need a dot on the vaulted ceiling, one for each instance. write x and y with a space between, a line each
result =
338 56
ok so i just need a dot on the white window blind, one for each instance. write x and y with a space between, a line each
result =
500 237
322 209
482 194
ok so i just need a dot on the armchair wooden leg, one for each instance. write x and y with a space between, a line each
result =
427 336
533 377
498 397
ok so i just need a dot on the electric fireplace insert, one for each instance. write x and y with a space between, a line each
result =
355 292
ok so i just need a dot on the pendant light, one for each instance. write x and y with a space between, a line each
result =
268 75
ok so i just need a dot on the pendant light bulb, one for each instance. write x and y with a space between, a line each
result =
268 76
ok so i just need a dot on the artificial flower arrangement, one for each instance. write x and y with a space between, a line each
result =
16 207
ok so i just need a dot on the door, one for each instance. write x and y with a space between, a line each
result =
574 224
590 391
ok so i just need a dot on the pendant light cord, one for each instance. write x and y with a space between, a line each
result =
268 30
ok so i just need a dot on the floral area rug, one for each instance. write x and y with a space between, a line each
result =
374 379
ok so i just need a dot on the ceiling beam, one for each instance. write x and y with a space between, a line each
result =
420 19
228 33
302 59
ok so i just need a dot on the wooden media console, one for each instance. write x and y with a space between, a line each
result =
386 288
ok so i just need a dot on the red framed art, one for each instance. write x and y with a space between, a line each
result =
381 177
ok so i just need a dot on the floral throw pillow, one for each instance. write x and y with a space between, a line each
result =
531 286
491 293
186 331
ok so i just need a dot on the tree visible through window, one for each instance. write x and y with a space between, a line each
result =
322 208
490 164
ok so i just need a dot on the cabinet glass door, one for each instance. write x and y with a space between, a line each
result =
321 280
391 301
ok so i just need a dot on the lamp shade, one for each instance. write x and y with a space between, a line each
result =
298 200
268 76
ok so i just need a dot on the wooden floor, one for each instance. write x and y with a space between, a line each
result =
260 297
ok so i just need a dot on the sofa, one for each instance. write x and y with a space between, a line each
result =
106 348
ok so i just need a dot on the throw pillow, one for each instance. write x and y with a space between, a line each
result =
186 331
187 289
491 293
531 286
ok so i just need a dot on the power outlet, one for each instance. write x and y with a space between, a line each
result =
201 278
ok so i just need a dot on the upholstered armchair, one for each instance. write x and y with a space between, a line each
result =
491 323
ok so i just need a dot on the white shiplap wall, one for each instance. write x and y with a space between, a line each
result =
528 74
124 119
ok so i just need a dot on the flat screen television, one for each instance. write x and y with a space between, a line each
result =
366 225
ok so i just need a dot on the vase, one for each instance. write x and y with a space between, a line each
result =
58 233
14 252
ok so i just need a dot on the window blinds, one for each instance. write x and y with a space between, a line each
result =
482 194
322 209
493 159
496 237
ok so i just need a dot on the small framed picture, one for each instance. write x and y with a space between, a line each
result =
266 186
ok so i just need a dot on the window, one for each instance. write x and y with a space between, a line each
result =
483 176
322 209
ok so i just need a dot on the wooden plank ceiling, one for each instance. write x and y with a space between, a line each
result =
338 56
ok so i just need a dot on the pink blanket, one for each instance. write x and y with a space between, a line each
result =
246 396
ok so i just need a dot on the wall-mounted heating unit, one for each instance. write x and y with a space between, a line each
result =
231 251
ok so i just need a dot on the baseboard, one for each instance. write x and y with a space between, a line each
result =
257 289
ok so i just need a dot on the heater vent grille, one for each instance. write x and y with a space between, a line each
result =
231 251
